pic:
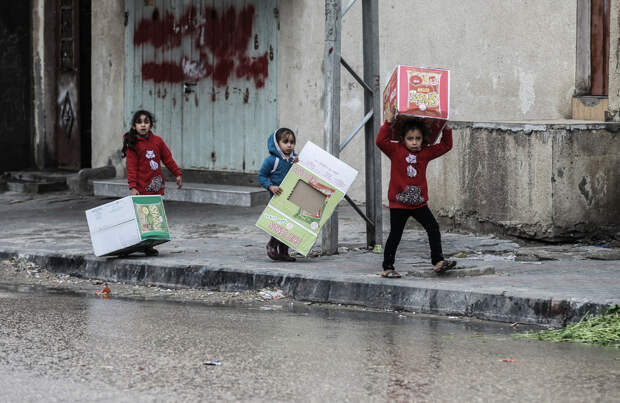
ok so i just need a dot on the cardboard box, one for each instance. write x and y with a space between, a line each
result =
311 191
418 92
128 224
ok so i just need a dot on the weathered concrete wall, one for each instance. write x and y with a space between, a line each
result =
495 175
500 70
548 182
108 74
301 68
586 181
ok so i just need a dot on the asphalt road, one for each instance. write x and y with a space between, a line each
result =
61 346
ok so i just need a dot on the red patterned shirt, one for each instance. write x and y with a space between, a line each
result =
408 188
144 165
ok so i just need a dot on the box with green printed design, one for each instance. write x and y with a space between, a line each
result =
128 224
311 190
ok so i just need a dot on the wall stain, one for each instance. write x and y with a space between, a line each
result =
221 36
583 185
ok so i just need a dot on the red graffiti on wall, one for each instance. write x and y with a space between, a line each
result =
220 41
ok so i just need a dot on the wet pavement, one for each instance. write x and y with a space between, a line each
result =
60 346
210 244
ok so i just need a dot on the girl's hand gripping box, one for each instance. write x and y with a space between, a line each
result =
128 224
418 92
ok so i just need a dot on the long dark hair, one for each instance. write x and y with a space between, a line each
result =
131 137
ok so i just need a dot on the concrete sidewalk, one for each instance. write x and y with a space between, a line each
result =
219 247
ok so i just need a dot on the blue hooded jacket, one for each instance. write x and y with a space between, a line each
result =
276 165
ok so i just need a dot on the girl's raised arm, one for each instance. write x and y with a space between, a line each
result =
383 139
445 144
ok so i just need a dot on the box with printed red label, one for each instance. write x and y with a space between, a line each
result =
421 93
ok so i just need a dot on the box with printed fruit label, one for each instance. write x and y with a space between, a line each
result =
128 224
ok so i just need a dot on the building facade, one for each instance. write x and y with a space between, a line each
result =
220 75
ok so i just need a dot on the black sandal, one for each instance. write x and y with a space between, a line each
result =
390 274
445 266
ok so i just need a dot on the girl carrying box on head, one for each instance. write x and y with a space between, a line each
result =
281 147
145 152
408 190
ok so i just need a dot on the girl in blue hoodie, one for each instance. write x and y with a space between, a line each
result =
281 146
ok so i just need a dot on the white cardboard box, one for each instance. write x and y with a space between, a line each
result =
128 224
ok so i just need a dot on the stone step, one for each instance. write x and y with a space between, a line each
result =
204 193
36 181
39 176
39 186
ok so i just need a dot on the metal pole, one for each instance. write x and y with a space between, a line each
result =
372 102
331 74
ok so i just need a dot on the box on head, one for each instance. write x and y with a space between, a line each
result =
418 93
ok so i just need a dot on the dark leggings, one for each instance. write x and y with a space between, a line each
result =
398 219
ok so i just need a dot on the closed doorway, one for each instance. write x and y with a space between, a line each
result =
209 71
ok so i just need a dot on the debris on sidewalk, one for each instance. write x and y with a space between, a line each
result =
507 360
213 363
268 294
21 271
104 292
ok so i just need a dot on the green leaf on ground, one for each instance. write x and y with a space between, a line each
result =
602 330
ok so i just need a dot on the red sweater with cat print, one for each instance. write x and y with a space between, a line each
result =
408 188
144 165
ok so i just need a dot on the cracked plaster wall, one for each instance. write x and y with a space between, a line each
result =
108 74
549 184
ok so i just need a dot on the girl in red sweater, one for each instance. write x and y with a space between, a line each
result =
145 152
408 191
